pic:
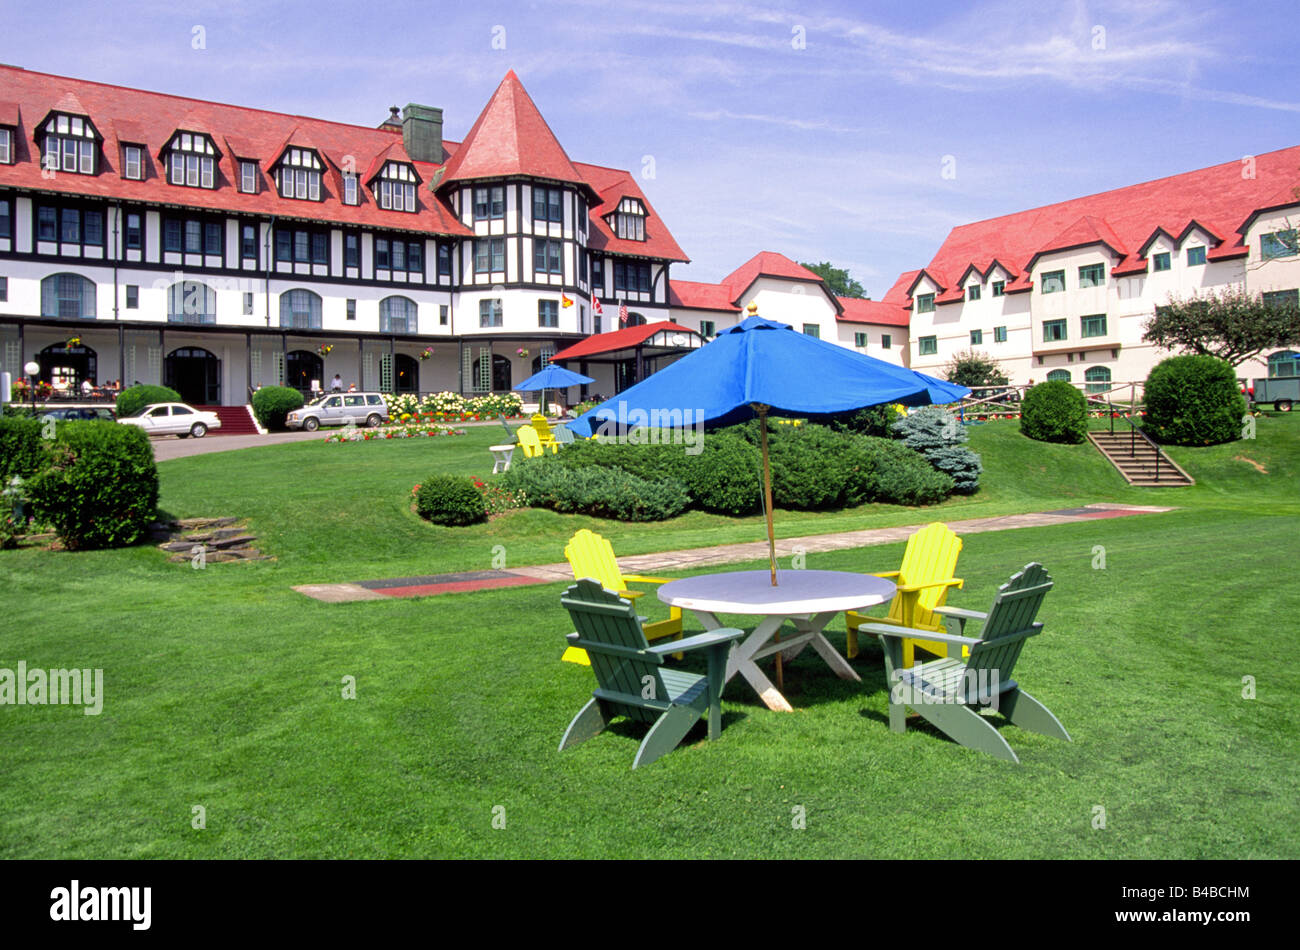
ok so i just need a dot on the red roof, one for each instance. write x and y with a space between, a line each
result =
610 186
623 339
510 137
1220 199
697 296
765 264
152 117
894 309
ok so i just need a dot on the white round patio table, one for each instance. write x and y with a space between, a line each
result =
808 599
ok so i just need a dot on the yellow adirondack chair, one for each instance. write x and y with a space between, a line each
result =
533 446
591 555
544 433
923 580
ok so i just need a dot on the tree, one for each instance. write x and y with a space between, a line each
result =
837 279
971 369
1231 324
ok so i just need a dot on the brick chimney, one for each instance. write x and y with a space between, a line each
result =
422 133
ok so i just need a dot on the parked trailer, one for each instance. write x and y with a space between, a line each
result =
1281 391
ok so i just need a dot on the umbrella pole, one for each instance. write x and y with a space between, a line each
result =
771 536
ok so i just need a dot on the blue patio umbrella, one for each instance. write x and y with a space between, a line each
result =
553 377
758 368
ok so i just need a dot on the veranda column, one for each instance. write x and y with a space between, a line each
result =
361 380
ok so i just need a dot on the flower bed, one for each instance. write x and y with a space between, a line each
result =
455 407
414 431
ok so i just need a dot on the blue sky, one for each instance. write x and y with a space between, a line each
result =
820 130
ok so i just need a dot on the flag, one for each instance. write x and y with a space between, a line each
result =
564 300
622 313
596 308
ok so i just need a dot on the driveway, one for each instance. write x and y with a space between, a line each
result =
170 447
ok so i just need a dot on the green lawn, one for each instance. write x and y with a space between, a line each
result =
223 686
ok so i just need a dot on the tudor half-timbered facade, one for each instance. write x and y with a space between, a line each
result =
147 237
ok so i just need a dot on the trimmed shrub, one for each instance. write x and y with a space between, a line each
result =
937 435
1193 400
814 468
100 487
1055 412
450 500
897 475
272 403
20 447
727 477
591 490
131 400
874 420
654 462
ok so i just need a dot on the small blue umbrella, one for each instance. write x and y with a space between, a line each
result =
553 377
757 368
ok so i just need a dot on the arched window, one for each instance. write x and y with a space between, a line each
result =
301 369
1059 375
397 315
1097 378
300 310
635 319
69 296
189 301
67 367
501 374
1284 365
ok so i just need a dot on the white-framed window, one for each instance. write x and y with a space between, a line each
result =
133 162
397 315
299 174
248 177
69 145
395 189
489 202
351 194
629 220
490 313
191 160
6 146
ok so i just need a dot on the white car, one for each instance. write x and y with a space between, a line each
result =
173 418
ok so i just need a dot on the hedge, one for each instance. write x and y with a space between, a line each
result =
450 500
1054 412
100 486
1193 400
134 398
271 404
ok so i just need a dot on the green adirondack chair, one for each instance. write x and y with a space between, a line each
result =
951 692
631 677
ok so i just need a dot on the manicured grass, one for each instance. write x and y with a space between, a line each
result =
223 686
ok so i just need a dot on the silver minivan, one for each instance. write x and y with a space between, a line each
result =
340 409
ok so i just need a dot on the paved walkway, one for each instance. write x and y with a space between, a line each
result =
700 557
170 447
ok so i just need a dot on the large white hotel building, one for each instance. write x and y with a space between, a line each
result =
214 248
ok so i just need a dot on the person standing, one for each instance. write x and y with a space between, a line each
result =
337 383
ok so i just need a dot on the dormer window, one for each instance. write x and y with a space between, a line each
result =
629 220
395 187
133 162
191 160
69 145
248 177
6 145
351 193
299 174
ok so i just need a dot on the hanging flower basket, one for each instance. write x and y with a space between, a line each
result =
324 349
522 351
426 353
74 341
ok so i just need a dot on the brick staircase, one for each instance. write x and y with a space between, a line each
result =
235 420
1140 462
